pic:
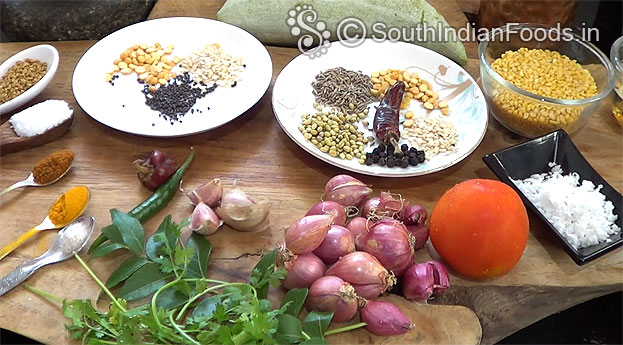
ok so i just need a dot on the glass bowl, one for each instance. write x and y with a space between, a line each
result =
529 114
616 56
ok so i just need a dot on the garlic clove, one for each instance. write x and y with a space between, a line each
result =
204 221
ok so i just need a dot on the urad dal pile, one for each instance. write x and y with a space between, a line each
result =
579 211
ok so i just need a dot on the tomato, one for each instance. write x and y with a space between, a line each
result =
480 228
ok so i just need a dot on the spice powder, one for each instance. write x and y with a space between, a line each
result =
53 166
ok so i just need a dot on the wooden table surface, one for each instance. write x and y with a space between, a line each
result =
255 152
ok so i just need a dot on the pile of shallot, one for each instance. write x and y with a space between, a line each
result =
347 261
213 207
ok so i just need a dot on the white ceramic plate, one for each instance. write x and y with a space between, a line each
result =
122 106
292 97
43 52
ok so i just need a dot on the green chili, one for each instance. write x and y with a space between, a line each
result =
154 204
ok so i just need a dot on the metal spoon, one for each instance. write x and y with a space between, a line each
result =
30 182
68 241
46 224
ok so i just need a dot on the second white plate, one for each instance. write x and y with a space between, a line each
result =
292 97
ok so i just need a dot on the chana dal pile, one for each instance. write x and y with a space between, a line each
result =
545 73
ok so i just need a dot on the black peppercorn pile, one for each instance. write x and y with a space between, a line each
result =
386 156
174 99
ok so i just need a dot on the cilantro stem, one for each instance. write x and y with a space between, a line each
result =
99 282
44 294
305 335
345 329
179 330
241 338
195 297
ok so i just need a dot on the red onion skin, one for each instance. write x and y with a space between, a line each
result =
346 190
384 318
307 233
420 233
388 240
421 281
303 271
389 206
413 215
369 291
338 180
338 242
370 207
359 226
442 278
359 268
327 294
329 207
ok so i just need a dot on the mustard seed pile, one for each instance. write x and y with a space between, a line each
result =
545 73
20 78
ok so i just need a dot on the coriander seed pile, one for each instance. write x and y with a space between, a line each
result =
336 133
21 77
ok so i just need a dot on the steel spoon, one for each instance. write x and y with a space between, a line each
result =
30 182
67 242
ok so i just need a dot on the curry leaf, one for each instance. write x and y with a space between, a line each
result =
316 323
201 247
162 240
143 282
206 307
130 229
112 233
296 297
289 329
106 249
171 298
125 270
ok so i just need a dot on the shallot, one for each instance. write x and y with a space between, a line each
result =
420 233
370 206
303 270
204 221
338 242
413 215
359 226
421 281
363 269
329 207
242 213
331 293
307 233
390 242
384 318
209 193
346 190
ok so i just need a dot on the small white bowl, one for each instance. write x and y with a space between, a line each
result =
44 53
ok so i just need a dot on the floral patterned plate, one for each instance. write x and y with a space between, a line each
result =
292 97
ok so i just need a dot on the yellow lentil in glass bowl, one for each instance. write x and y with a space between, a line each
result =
536 82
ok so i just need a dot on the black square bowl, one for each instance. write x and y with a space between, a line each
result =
532 157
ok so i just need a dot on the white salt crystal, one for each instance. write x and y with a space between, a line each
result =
40 117
578 211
